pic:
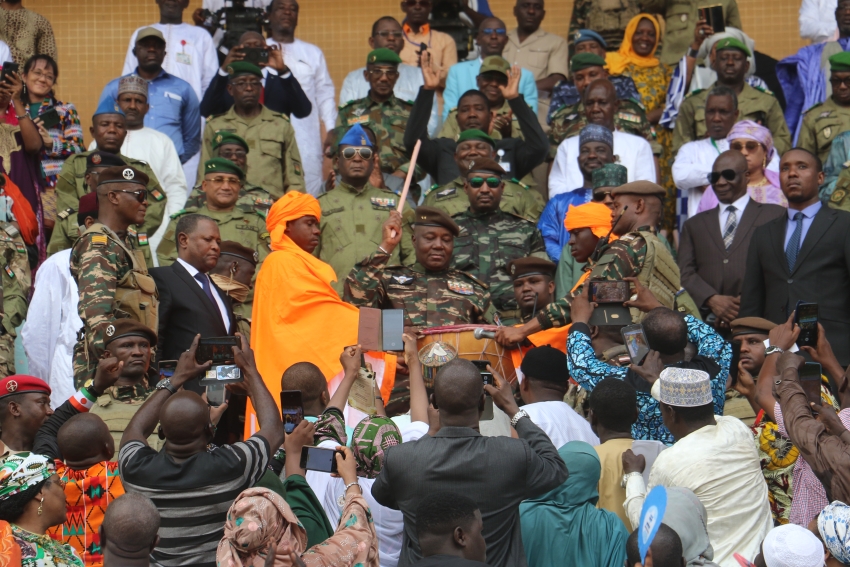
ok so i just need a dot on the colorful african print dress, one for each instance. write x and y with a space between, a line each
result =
43 551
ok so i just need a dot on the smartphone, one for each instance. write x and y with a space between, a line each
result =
486 375
733 365
292 409
393 328
256 55
810 380
166 368
806 315
50 118
318 459
713 16
217 395
616 291
217 349
8 68
636 343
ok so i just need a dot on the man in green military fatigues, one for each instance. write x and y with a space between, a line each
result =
824 121
381 110
234 275
111 276
681 17
17 281
757 105
275 163
353 214
109 129
490 237
431 294
517 198
608 19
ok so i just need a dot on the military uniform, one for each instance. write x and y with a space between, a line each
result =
387 119
429 299
17 281
117 406
758 105
487 242
71 185
840 198
821 124
66 231
608 18
352 224
451 129
681 18
274 161
569 120
252 199
517 199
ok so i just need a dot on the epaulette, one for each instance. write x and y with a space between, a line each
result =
431 188
812 107
66 213
520 183
765 91
181 212
473 278
213 116
344 104
636 102
134 160
696 92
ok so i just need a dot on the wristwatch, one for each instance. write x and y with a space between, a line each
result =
772 349
517 416
165 384
627 476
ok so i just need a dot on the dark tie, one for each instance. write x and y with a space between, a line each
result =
794 243
205 282
731 225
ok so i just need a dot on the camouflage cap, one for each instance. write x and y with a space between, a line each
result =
495 63
122 174
531 266
731 43
610 175
432 216
103 159
221 165
383 55
611 315
231 248
475 134
639 188
121 328
484 165
222 138
239 68
751 326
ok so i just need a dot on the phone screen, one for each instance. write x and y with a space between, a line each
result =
486 375
217 394
256 55
166 368
806 315
635 342
292 409
810 380
393 327
609 291
217 349
317 459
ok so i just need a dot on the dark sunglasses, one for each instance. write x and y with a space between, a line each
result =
836 81
600 195
492 182
365 153
727 174
738 146
141 194
490 31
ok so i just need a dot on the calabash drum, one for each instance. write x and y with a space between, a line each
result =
460 342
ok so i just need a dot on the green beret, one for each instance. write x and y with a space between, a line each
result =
732 43
239 68
222 138
582 61
475 134
383 55
840 61
495 63
221 165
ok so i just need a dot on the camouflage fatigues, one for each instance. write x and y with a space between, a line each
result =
840 198
71 185
681 18
352 224
429 299
516 199
387 119
66 231
17 281
451 129
117 406
608 18
274 161
252 198
821 124
487 242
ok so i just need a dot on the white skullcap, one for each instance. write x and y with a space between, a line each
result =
792 546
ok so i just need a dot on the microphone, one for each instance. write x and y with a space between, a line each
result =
603 242
480 333
534 309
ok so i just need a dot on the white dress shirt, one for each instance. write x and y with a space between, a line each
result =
634 153
561 423
307 63
5 53
218 300
739 205
50 331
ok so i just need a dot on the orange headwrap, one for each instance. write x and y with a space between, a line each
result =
595 216
291 206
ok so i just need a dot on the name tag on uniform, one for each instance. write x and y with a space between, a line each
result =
184 58
358 120
460 287
383 203
446 193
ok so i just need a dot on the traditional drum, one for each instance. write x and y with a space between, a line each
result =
459 341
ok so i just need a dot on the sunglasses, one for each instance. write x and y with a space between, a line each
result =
749 146
727 174
365 153
378 73
223 180
836 81
141 194
491 31
600 195
492 182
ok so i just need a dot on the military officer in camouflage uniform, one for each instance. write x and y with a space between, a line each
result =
234 275
681 17
490 238
824 121
275 162
131 343
517 198
17 280
606 18
431 294
381 110
109 130
758 105
353 214
110 274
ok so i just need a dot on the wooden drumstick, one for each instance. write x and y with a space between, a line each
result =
411 168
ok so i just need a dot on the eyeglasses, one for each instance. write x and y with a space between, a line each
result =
223 180
600 195
389 34
378 73
837 81
749 146
491 31
228 154
246 84
412 3
365 153
492 182
140 194
727 174
39 75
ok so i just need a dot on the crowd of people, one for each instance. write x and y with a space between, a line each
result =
528 301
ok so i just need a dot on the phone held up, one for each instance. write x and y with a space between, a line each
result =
292 409
616 291
8 68
636 343
220 351
487 378
319 459
806 316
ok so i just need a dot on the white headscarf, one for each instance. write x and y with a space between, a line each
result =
704 75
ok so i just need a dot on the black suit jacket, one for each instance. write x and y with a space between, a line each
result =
185 310
820 275
706 266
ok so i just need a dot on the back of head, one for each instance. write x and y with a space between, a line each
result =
791 545
665 330
437 516
83 437
614 403
666 548
131 523
458 387
545 365
306 377
184 417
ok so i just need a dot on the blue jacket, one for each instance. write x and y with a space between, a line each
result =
551 223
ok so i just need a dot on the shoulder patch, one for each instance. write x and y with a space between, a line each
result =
478 282
446 193
66 213
696 92
179 213
99 239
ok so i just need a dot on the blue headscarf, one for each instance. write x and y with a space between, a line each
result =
564 527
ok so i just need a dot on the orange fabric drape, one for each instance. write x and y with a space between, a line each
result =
556 337
21 208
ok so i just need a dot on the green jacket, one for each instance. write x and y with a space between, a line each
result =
516 199
821 124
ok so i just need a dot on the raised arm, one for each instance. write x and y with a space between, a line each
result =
350 360
268 415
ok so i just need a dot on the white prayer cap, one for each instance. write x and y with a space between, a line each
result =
683 387
792 546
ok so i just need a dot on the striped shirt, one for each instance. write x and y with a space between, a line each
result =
192 496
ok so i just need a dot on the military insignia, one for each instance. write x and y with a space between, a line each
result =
142 239
628 117
363 139
11 386
131 231
513 269
128 174
838 196
446 193
65 214
358 111
382 202
460 287
229 70
96 159
9 271
577 35
99 240
110 330
256 256
402 280
157 195
825 114
627 238
684 17
571 117
20 248
263 202
827 131
297 168
218 138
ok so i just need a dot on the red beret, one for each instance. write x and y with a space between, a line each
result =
21 384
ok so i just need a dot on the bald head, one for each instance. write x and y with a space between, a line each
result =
83 437
601 103
131 523
666 331
458 387
306 377
185 418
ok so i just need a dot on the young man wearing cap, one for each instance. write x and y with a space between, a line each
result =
757 105
714 456
111 275
353 214
276 165
490 237
24 407
234 275
824 121
431 293
491 40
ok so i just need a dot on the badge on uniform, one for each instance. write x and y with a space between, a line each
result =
131 231
825 114
628 117
110 330
837 196
19 246
446 193
460 287
382 203
142 239
128 174
358 120
99 240
263 202
9 271
157 195
96 159
65 214
827 132
402 280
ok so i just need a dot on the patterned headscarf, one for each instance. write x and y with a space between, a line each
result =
22 471
834 528
749 130
372 436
